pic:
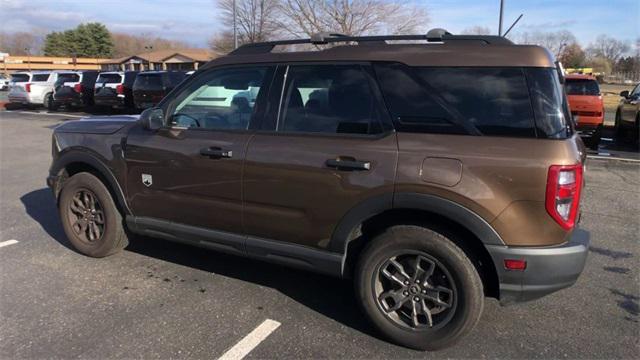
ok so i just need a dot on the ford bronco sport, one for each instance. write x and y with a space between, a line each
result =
433 174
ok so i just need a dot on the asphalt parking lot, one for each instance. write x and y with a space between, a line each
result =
163 300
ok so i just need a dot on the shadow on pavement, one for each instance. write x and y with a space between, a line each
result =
40 205
331 297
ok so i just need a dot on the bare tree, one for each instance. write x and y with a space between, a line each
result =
608 48
20 43
350 17
476 30
555 42
255 22
126 44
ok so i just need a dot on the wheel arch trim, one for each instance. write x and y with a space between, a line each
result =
365 210
76 156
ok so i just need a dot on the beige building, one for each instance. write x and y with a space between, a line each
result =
9 64
188 59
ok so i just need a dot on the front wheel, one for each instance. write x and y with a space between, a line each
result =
90 218
418 288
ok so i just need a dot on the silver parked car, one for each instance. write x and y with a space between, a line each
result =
34 88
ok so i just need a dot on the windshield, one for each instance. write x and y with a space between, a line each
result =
20 78
582 87
109 79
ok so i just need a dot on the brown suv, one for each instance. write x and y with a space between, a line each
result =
433 174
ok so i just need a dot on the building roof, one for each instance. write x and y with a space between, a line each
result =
199 55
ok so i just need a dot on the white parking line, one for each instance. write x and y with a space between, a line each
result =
8 242
47 114
249 342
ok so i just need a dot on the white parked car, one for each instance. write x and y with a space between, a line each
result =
4 82
34 88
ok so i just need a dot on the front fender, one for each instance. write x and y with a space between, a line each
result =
82 157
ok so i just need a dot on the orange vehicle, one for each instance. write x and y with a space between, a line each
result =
586 106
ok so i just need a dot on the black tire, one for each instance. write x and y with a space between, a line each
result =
618 128
594 142
466 299
113 237
49 103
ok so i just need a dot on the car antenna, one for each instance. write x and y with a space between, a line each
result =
512 25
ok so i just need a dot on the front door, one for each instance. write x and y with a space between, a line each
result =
189 172
327 148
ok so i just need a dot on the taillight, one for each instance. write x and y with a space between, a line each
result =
27 88
77 88
564 184
120 89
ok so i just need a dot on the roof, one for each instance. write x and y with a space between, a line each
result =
435 54
199 55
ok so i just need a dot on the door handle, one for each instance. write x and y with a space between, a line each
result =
348 163
216 153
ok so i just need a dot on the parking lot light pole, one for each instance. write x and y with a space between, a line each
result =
235 31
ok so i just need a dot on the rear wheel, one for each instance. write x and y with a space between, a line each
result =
49 103
619 129
594 142
90 218
418 288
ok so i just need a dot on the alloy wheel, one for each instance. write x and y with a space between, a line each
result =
415 291
86 216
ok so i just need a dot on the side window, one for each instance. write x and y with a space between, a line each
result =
411 103
329 99
220 99
636 92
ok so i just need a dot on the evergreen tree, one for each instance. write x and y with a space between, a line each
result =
86 40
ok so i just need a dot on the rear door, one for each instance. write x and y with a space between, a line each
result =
65 86
107 84
325 149
17 84
149 89
190 171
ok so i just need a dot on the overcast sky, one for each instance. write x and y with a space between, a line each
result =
195 21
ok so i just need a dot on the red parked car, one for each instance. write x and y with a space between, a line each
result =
587 107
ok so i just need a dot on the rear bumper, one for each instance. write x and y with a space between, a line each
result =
548 269
68 100
25 98
114 102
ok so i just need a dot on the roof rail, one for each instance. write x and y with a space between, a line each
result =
434 35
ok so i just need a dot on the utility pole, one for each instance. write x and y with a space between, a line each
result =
28 51
235 31
501 15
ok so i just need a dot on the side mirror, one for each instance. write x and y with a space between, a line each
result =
624 94
152 118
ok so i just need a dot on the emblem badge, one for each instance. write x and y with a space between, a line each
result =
147 180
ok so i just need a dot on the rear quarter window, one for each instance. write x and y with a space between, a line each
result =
20 78
486 101
549 103
40 77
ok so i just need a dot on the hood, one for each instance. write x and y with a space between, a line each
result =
97 124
